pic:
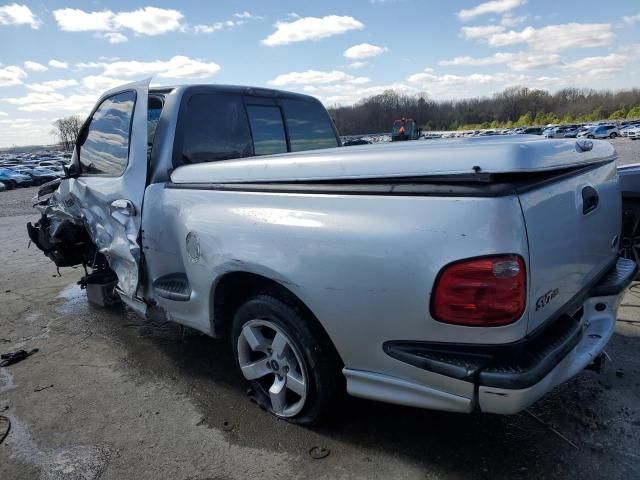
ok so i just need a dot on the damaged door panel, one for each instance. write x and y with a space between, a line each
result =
97 211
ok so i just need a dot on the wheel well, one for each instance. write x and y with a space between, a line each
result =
234 288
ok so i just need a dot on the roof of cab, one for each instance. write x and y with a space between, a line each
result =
232 89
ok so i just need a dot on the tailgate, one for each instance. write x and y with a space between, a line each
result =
572 228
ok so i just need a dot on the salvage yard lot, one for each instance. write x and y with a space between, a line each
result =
113 397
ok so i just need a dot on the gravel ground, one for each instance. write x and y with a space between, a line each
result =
111 396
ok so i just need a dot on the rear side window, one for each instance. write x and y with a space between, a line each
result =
267 129
215 128
309 125
105 149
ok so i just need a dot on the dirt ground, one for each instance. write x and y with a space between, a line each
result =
111 396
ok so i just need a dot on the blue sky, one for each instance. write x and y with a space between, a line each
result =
57 57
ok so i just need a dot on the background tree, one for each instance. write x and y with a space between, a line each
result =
67 130
515 106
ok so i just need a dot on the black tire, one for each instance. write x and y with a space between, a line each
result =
11 184
613 135
630 235
590 136
319 358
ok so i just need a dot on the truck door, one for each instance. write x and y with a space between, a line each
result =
112 159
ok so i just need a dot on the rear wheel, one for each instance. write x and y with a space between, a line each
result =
630 235
286 359
11 184
613 135
590 136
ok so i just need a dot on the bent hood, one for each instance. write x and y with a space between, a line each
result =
493 155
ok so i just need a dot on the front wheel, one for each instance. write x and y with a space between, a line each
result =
613 135
590 136
285 357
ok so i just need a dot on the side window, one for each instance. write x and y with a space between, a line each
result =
215 128
267 129
105 149
309 125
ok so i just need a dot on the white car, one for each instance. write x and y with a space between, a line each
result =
633 133
601 131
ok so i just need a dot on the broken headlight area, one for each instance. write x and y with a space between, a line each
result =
65 243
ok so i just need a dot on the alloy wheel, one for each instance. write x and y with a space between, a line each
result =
268 358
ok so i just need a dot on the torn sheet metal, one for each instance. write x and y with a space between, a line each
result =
113 233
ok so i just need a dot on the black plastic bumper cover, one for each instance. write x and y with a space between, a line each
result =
515 365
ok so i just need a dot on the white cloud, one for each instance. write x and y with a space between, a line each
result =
246 14
551 38
448 85
144 21
178 66
311 28
631 19
113 37
364 50
356 65
494 6
76 20
52 102
484 31
100 83
34 66
51 85
214 27
508 20
58 64
4 114
314 77
16 14
11 75
238 19
600 67
150 20
516 61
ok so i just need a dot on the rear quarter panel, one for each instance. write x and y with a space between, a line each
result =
364 265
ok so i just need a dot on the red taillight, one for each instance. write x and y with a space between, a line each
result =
481 292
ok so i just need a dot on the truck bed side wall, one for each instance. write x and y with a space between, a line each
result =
364 265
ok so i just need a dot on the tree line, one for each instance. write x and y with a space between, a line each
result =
515 106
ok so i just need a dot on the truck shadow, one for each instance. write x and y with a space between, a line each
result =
584 428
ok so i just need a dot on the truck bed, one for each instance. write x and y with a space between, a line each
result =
474 158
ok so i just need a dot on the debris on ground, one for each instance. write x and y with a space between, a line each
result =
5 426
319 452
550 428
15 357
227 426
39 389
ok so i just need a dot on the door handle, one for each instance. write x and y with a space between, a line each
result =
124 207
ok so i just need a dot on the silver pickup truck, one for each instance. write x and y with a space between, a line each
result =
462 275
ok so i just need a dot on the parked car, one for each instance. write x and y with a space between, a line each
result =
560 132
601 131
633 133
466 275
532 131
14 179
57 170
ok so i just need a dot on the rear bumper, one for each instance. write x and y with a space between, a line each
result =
508 378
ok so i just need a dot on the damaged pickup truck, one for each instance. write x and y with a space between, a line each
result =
463 275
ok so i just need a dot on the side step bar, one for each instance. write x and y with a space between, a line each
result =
174 286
